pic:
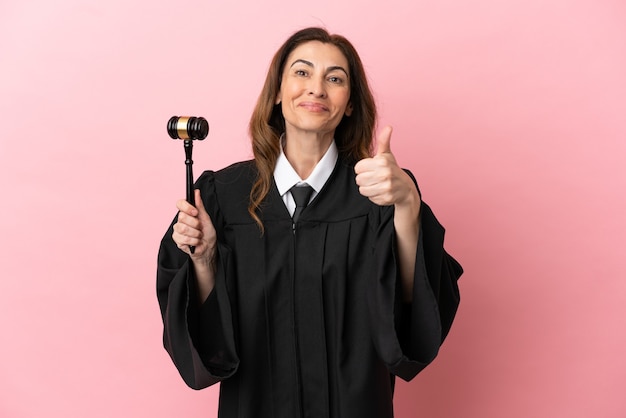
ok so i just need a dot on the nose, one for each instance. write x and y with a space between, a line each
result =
316 87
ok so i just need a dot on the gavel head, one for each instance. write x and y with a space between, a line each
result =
187 127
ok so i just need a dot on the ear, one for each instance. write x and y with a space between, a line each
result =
278 99
348 111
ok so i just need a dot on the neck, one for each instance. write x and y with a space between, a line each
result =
305 151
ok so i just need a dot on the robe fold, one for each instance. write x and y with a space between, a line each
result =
305 320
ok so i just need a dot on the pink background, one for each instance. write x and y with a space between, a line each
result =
512 114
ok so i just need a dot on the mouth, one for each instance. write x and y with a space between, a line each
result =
313 107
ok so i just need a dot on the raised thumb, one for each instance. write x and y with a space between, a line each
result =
383 142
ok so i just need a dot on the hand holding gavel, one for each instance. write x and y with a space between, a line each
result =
188 128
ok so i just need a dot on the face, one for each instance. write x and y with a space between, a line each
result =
315 89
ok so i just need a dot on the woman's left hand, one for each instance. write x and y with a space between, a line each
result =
381 180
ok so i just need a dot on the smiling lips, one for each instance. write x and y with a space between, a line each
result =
313 107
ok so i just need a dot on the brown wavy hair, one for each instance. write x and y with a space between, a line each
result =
353 135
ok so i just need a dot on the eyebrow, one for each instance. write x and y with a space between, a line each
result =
310 64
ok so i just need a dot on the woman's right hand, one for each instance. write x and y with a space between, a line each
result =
194 228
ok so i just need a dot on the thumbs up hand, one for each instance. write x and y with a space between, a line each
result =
381 180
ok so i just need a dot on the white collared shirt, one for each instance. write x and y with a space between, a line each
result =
286 177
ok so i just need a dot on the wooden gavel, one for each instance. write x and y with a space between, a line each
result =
188 128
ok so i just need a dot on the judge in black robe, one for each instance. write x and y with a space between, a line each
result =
305 319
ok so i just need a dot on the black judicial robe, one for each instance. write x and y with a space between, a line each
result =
305 320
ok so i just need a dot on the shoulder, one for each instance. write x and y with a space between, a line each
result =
243 172
237 172
226 192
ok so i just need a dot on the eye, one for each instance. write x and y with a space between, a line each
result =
335 79
301 73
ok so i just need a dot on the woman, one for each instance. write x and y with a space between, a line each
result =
307 309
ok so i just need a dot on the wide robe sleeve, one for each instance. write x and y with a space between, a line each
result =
200 338
408 336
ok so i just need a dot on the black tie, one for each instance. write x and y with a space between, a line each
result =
302 195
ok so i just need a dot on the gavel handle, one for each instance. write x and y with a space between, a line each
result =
189 165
